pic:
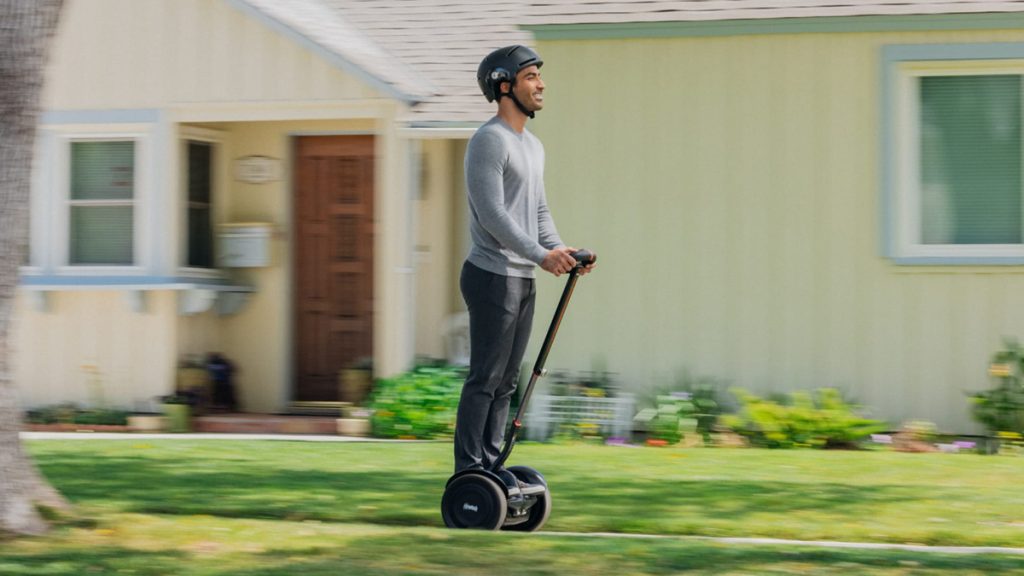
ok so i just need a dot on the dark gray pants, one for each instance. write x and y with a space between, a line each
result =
500 318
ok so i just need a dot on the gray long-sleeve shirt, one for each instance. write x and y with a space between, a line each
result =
510 224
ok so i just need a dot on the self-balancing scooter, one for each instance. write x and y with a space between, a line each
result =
514 498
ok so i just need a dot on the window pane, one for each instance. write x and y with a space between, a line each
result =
200 238
101 235
200 186
971 159
102 170
200 157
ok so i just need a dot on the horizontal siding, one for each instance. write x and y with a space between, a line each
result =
156 53
730 186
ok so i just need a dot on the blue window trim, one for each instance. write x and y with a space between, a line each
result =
50 282
892 56
583 30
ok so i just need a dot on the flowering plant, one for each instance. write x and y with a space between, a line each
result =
1001 408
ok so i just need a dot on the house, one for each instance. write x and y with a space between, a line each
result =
784 195
791 195
274 181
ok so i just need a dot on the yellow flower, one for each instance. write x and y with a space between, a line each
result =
999 370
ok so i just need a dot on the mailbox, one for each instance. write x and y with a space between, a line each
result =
244 245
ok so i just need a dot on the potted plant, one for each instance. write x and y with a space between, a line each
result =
354 381
140 422
355 421
177 409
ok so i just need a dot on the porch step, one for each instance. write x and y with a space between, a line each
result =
317 408
265 424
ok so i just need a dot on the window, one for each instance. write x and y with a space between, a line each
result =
970 170
102 202
200 214
954 154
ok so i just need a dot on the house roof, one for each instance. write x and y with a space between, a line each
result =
426 51
444 41
542 12
322 28
422 51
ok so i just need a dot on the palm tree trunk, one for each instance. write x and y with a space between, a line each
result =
26 28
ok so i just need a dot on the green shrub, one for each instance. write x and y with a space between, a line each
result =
679 413
690 404
57 414
102 416
72 414
418 404
1001 408
822 420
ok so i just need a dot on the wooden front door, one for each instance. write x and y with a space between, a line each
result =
333 261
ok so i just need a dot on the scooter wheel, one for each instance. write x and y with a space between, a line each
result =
474 501
539 512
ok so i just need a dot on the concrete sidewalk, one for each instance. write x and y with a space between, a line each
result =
804 543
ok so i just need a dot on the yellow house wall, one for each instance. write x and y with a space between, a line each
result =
146 54
442 243
434 236
205 64
731 188
131 352
259 338
459 247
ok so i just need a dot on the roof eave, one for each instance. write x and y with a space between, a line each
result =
332 57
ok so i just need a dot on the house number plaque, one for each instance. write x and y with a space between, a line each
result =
257 169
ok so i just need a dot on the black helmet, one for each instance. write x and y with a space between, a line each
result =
502 65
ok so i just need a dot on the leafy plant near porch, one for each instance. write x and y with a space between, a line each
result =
418 404
821 420
72 414
1001 408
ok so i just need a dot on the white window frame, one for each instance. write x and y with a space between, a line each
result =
217 187
143 182
901 194
909 163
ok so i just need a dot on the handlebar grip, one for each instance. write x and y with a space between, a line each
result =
584 257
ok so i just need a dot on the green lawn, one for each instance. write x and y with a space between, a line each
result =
230 507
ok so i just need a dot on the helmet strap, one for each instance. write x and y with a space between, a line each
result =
511 94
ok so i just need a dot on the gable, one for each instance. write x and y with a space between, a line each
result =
130 54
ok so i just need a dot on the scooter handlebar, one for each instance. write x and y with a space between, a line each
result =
584 257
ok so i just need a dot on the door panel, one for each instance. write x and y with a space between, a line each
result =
333 307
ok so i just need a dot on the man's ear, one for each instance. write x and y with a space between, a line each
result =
505 87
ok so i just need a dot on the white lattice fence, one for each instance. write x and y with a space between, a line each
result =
613 416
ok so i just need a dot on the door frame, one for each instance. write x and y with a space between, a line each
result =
289 292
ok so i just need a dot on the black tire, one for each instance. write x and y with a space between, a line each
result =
539 512
474 501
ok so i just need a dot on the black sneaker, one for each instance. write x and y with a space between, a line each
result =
510 480
514 483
